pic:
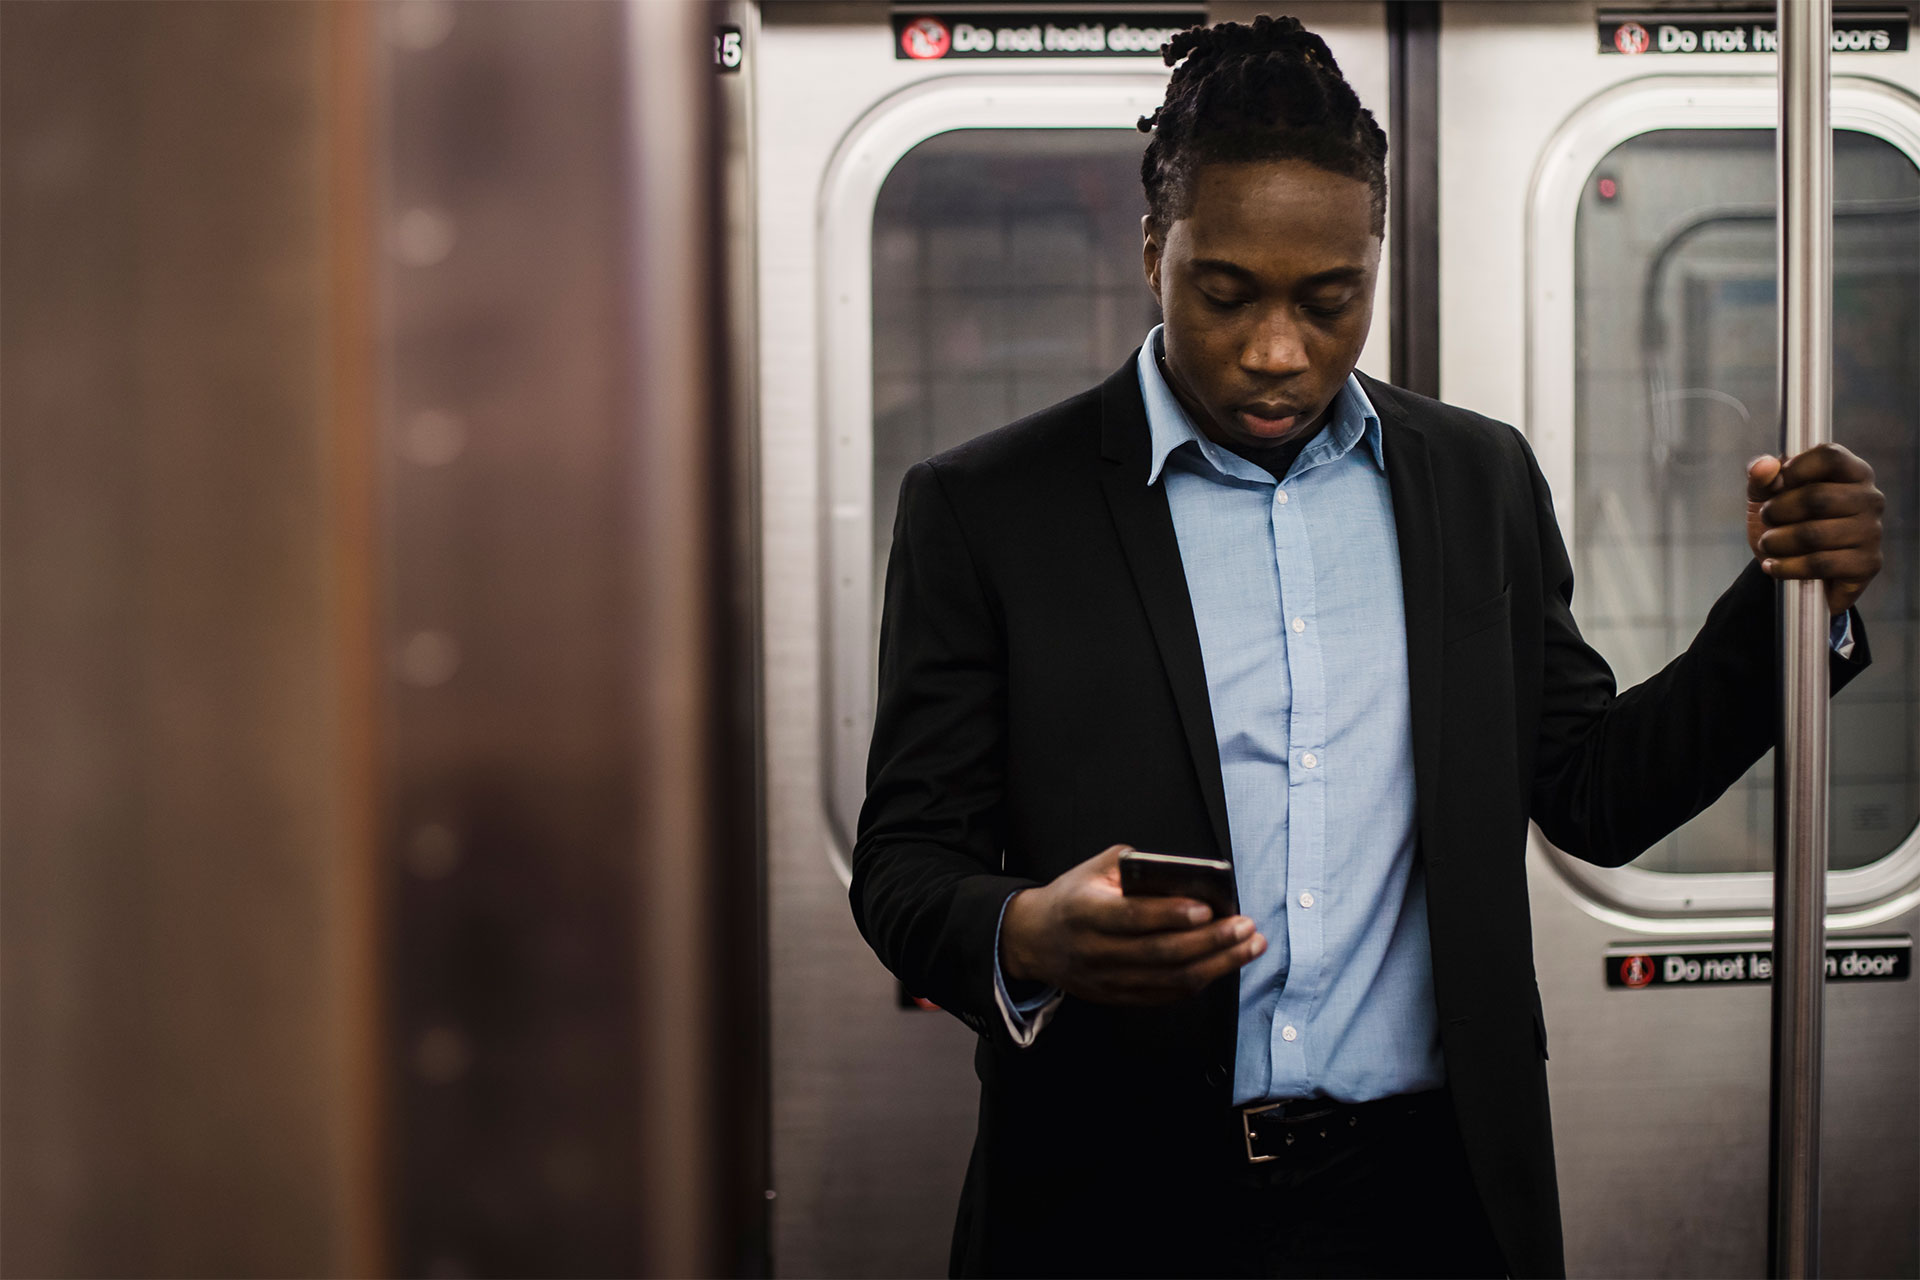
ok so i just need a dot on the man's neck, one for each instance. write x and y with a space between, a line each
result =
1277 459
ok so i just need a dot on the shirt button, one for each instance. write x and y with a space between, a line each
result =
1309 760
1306 899
1299 625
1289 1034
1281 497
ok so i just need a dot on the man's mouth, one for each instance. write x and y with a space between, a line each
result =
1267 419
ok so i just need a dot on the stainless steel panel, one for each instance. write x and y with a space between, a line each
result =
872 1105
1660 1103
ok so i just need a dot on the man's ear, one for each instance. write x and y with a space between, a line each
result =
1150 249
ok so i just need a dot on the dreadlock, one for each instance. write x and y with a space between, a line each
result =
1271 91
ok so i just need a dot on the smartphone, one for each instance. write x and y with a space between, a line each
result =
1168 875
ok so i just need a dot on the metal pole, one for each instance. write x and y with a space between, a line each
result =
1805 155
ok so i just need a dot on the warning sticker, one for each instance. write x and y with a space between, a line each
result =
1680 33
923 36
1710 964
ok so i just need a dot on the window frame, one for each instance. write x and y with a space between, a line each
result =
849 195
1629 897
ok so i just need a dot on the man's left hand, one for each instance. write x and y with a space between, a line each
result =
1816 517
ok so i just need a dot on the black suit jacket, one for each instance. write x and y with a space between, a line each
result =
1042 697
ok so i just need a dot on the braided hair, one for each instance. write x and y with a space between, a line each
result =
1271 91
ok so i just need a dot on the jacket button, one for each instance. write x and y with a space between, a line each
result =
1217 1076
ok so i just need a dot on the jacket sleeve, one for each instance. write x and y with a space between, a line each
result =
927 890
1614 773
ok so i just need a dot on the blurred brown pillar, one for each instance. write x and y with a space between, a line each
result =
374 893
576 1064
187 1020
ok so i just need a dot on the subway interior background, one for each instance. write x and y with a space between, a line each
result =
385 860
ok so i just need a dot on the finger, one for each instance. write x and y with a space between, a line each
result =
1762 476
1818 535
1205 972
1822 501
1160 985
1166 985
1828 566
1825 462
1841 595
1174 950
1123 915
1167 950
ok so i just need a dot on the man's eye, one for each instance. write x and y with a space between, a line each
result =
1222 304
1326 310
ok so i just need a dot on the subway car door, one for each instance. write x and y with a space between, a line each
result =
944 241
1631 154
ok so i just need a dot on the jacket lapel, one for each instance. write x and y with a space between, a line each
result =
1145 526
1416 515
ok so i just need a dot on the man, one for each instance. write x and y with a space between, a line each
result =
1238 602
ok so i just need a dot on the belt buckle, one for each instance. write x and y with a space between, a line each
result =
1246 1123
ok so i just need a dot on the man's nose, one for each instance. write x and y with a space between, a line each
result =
1276 349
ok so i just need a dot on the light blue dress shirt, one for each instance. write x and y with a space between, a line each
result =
1297 599
1296 596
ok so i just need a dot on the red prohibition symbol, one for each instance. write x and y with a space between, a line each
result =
925 38
1636 971
1631 38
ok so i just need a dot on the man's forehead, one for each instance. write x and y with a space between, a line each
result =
1333 272
1269 250
1240 207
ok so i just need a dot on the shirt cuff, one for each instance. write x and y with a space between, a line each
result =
1024 1018
1839 635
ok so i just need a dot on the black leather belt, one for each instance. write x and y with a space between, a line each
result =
1273 1129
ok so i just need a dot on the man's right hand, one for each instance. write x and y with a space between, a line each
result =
1082 935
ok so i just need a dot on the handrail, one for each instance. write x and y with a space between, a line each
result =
1804 147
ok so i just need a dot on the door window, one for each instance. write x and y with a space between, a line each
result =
979 260
1006 277
1675 315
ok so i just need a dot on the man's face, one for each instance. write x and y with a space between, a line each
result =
1266 289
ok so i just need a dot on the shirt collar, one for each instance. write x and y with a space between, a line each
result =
1169 426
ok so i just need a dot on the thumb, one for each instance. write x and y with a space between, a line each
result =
1105 865
1763 478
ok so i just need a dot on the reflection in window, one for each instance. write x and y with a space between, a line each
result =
1675 306
1006 277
